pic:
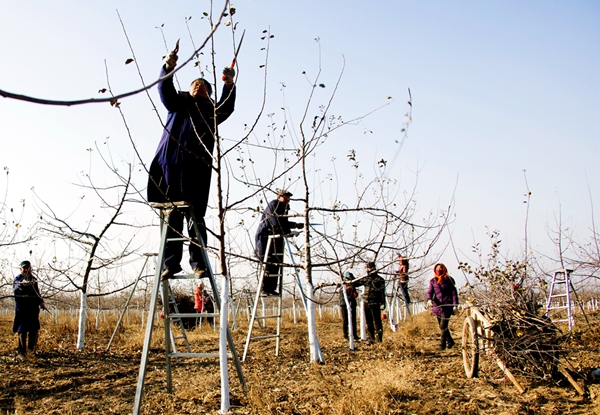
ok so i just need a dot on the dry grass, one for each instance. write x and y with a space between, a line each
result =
405 374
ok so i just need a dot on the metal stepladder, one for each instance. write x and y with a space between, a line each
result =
559 298
398 304
262 320
164 288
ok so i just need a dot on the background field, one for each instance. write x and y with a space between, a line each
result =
403 375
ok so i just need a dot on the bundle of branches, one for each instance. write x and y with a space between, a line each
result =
524 339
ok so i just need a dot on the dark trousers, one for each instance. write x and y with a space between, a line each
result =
274 257
373 320
404 291
344 312
174 249
446 340
23 346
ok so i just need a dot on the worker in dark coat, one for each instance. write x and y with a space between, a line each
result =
28 303
273 222
351 294
182 167
374 298
443 298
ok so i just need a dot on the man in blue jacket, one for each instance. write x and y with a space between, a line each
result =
273 222
182 167
28 302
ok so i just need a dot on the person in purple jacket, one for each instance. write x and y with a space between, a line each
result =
182 167
443 298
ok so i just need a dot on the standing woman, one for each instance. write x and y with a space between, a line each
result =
443 298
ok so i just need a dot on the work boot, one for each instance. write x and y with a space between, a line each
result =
200 273
166 274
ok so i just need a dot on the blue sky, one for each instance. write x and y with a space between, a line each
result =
498 87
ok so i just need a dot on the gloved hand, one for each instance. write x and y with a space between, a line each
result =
429 303
228 75
382 306
43 306
171 59
298 225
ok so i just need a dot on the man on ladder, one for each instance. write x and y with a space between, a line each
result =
179 180
274 222
182 166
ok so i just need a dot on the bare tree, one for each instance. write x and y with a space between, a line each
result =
99 243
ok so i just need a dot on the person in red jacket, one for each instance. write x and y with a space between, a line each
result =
443 298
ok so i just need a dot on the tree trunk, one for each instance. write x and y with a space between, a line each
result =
223 346
311 318
361 313
82 318
349 311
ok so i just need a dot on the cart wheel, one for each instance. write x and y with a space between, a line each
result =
470 348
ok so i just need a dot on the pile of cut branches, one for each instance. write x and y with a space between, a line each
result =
511 298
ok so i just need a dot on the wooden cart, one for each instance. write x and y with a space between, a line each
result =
478 340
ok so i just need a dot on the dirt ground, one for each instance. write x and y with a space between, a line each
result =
406 374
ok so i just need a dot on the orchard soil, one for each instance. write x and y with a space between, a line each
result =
406 374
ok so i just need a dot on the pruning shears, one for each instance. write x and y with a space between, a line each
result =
236 52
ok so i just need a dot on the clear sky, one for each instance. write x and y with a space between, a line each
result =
498 87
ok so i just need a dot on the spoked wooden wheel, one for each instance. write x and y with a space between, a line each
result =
470 348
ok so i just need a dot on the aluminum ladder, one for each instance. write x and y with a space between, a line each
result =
559 297
173 319
164 287
277 314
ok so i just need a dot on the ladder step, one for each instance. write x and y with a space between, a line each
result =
270 336
266 317
185 277
176 316
181 354
182 239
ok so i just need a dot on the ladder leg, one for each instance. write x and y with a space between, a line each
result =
279 317
149 326
253 315
256 300
168 334
215 289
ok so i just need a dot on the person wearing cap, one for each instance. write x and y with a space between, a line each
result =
28 303
351 294
374 296
181 169
273 222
